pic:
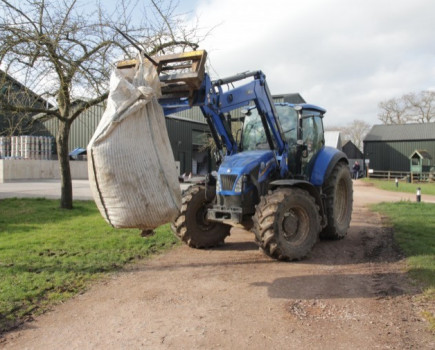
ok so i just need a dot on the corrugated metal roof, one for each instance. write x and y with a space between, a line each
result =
193 114
294 98
6 78
401 132
182 118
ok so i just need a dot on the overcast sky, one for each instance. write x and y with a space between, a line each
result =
345 56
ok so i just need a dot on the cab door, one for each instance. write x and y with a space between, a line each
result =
313 138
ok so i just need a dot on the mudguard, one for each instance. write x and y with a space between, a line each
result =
325 162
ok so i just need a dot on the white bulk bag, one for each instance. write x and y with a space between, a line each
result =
131 166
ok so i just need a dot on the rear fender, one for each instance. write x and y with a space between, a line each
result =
325 162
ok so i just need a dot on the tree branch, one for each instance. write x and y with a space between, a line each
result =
87 104
29 109
174 43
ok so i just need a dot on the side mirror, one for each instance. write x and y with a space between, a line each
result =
246 112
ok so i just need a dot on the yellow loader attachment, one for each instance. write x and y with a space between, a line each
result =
180 74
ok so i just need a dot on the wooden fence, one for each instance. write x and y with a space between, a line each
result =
402 175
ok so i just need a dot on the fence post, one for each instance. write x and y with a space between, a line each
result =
418 195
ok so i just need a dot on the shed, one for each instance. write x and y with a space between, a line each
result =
351 150
388 147
353 154
420 161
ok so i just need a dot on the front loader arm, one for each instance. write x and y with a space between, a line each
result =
185 85
257 92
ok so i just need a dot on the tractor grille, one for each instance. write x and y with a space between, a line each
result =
228 182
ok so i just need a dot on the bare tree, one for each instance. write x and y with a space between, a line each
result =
421 106
409 108
355 131
65 49
393 111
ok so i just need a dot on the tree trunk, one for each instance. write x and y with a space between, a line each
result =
66 196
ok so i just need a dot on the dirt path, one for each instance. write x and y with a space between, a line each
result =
349 294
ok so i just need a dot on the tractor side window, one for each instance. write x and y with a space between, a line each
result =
319 141
312 134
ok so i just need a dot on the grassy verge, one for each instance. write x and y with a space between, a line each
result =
426 188
48 254
414 228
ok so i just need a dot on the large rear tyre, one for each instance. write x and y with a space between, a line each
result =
192 227
339 200
287 223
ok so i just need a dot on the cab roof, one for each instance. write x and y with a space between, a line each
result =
305 106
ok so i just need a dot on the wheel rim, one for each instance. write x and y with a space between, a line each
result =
340 205
295 227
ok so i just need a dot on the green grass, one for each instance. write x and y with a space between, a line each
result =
414 231
426 188
48 254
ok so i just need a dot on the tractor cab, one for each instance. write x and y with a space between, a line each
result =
302 128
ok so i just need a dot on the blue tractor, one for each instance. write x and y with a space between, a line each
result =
275 175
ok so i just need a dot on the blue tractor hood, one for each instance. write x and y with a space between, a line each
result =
245 162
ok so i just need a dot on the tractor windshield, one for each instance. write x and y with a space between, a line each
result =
254 136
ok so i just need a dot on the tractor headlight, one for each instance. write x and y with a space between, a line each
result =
241 181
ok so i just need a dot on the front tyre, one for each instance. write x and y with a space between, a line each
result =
192 227
339 200
287 223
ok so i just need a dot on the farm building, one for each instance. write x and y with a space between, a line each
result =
389 147
354 154
188 130
352 151
15 124
333 139
188 134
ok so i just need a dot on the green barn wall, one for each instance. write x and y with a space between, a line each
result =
82 128
394 155
180 134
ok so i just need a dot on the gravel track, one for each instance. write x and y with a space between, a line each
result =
348 294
